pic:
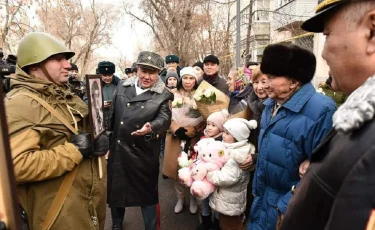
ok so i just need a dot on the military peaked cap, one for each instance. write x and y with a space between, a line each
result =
324 9
150 60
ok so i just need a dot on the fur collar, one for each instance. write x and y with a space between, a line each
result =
157 88
358 108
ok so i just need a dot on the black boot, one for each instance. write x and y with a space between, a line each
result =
216 224
206 223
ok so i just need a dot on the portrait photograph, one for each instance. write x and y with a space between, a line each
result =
96 104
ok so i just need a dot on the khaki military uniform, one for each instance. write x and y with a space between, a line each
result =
42 155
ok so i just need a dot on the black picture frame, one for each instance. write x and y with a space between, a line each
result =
95 97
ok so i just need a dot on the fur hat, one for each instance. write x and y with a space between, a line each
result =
150 60
218 118
189 71
172 58
240 128
106 67
290 61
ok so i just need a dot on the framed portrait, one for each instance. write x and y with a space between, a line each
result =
9 209
96 105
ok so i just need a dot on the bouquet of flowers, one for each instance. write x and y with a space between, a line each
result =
184 112
178 102
209 99
206 96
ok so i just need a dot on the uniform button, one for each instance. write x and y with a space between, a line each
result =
118 141
142 107
128 104
122 122
137 126
133 145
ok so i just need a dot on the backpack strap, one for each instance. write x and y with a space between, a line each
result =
67 183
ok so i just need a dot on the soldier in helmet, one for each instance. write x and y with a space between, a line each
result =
57 171
141 114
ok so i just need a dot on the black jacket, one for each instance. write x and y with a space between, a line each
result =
218 82
337 192
133 165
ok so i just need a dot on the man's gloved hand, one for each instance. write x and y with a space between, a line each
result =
83 142
101 146
181 133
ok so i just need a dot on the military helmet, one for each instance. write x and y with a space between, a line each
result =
37 47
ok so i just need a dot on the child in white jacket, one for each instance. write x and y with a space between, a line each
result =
229 198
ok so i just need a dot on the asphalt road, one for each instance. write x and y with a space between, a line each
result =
169 220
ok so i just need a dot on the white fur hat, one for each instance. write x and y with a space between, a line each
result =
240 128
189 71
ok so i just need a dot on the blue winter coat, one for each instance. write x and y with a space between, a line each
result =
285 141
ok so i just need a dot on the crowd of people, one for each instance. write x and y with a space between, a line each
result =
293 159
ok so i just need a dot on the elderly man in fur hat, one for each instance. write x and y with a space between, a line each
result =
337 192
141 114
295 120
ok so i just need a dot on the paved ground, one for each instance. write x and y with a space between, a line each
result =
169 220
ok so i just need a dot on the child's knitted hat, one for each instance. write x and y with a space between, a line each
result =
218 118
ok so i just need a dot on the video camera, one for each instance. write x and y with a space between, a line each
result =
7 68
76 86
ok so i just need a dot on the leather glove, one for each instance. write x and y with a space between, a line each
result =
101 146
83 142
181 133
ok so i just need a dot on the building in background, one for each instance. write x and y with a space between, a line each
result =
259 24
279 21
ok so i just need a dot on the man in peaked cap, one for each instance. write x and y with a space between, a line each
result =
211 73
337 191
140 115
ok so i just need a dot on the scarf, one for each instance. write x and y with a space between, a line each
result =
212 79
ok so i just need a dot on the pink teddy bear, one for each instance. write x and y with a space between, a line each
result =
212 156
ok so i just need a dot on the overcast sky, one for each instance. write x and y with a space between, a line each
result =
128 36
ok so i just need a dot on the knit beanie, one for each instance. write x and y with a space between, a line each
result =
189 71
218 118
171 74
240 128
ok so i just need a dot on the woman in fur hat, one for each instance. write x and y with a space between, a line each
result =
295 120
